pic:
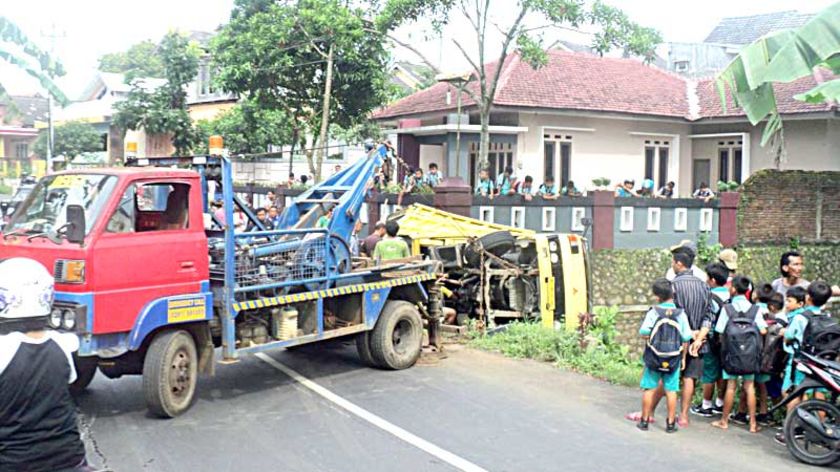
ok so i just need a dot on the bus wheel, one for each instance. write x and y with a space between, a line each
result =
395 341
85 370
170 373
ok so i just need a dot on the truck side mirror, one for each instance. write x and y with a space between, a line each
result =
76 224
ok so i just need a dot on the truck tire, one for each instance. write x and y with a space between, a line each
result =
395 341
497 243
170 373
363 348
85 371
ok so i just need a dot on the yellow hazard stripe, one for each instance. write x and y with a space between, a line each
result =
350 289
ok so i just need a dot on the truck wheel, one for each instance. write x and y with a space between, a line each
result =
397 337
363 348
85 370
170 372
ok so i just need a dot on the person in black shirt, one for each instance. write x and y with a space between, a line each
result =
38 431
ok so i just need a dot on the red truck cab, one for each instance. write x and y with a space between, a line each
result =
142 264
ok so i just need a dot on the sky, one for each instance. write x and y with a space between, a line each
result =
86 29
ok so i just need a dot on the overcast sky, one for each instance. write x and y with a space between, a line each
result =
89 28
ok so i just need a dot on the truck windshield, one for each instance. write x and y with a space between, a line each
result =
45 209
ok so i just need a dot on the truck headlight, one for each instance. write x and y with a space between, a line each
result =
552 246
55 318
69 319
70 271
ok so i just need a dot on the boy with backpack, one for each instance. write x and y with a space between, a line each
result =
741 326
667 331
811 330
719 295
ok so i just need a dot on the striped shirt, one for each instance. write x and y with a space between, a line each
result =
692 295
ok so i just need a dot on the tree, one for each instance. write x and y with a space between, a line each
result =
312 59
248 128
17 49
782 57
71 139
616 31
164 110
140 60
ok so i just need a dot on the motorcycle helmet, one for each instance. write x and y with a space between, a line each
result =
26 289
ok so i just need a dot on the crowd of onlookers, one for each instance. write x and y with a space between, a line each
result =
692 335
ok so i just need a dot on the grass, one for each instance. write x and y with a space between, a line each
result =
5 189
594 352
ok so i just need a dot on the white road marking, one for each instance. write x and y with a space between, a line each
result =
420 443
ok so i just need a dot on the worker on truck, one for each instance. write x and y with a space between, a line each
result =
38 431
392 246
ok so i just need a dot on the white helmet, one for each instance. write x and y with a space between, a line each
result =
26 289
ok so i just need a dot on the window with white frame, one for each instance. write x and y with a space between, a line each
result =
626 219
706 220
549 219
654 217
657 153
517 217
680 219
681 66
730 160
557 157
486 213
578 214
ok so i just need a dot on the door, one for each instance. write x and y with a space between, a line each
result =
701 172
152 247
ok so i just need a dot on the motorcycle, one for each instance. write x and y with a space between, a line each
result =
812 429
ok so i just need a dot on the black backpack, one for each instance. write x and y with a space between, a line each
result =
773 356
663 352
741 342
821 336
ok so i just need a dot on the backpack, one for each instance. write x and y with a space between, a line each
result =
821 336
773 356
741 345
663 352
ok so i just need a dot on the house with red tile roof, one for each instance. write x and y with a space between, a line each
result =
583 117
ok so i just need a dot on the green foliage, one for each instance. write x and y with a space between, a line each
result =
794 244
275 54
782 57
601 182
71 139
5 189
164 110
247 128
596 353
706 253
140 60
20 51
730 186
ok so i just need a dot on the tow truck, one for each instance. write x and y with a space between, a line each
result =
153 282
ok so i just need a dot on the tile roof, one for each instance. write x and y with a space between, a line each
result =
31 108
710 106
746 29
579 81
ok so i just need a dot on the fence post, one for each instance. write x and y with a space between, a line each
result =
453 195
728 218
603 218
373 210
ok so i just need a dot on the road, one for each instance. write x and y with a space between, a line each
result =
471 411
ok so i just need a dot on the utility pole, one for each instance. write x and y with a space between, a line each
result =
52 36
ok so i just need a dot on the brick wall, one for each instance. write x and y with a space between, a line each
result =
777 206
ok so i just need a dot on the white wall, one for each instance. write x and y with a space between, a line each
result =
432 153
604 147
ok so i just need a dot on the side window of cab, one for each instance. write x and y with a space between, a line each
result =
156 206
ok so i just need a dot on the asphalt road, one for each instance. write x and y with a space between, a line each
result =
476 410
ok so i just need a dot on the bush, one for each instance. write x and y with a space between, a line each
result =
593 351
5 189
